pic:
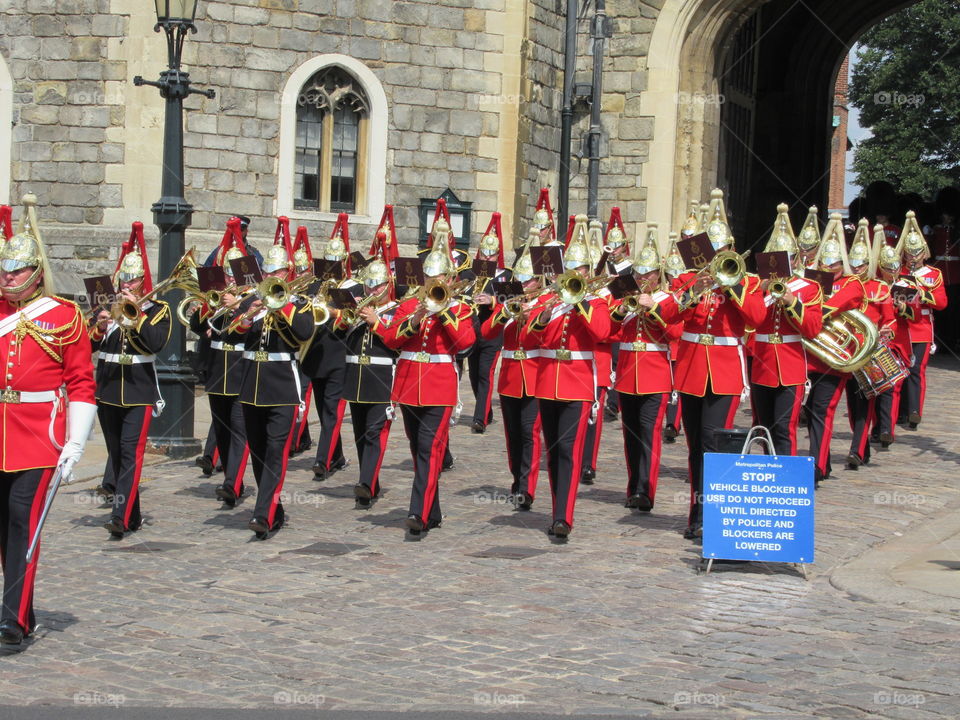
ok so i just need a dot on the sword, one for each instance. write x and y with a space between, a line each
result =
51 493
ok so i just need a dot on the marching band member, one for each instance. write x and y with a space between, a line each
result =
710 373
518 381
368 378
826 383
46 351
931 296
879 309
303 268
272 331
567 334
482 361
224 375
323 362
888 264
615 242
426 385
128 393
808 241
778 373
674 267
644 379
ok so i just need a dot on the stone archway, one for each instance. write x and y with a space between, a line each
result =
795 56
6 130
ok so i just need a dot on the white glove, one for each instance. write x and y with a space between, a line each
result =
80 417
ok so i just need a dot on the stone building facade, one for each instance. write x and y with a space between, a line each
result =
460 95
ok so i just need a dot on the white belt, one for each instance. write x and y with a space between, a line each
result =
924 312
520 354
564 354
641 346
261 356
707 339
368 360
425 357
126 359
24 396
220 345
776 338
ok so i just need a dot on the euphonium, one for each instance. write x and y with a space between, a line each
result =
183 276
838 346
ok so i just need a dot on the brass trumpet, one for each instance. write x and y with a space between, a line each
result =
126 313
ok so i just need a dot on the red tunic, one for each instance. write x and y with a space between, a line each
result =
711 346
570 329
847 295
778 355
643 366
426 373
932 296
32 433
518 358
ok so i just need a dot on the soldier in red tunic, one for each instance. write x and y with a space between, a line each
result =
931 296
778 372
426 386
711 371
888 403
567 332
47 404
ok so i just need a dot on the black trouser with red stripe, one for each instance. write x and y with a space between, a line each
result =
641 418
591 446
859 410
125 435
825 392
915 385
22 496
886 406
778 410
301 437
427 428
210 445
522 428
327 392
371 430
269 434
702 417
227 413
565 432
481 366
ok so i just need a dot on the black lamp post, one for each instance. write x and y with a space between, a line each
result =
173 430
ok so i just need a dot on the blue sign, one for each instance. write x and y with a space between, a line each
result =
758 507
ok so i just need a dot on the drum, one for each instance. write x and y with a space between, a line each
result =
881 372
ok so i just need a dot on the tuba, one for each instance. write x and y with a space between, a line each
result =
184 277
837 344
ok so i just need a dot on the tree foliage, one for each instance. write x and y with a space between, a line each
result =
906 84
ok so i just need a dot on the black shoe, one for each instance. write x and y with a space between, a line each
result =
260 527
912 425
886 439
304 446
205 463
693 531
10 632
433 524
338 465
559 530
670 434
644 503
913 418
522 501
479 428
632 502
116 528
320 473
610 415
362 492
449 465
588 475
414 524
853 462
228 496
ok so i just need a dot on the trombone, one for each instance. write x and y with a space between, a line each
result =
273 292
727 268
126 313
436 295
572 288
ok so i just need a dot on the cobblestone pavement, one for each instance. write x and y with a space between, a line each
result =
341 610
